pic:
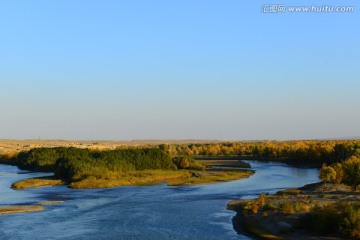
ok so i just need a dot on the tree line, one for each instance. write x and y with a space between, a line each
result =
300 152
69 162
73 164
347 172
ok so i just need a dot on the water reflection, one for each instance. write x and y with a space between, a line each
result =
298 172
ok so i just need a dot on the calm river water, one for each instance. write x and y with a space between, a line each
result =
157 212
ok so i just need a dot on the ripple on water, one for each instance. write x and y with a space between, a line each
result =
156 212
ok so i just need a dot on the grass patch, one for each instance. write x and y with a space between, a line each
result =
293 207
36 182
131 178
211 176
153 177
292 192
225 163
141 178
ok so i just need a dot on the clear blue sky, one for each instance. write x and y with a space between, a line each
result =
180 69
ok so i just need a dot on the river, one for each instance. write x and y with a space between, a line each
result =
156 212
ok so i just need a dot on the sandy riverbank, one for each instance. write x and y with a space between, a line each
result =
20 209
26 208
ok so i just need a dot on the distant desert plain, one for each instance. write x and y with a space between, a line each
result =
12 145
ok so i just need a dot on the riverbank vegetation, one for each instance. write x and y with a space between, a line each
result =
85 168
36 182
122 166
314 152
330 208
306 152
321 209
339 218
310 153
347 172
211 176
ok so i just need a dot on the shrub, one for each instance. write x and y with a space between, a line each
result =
343 218
255 208
351 169
286 207
268 207
261 200
349 223
292 192
188 162
293 207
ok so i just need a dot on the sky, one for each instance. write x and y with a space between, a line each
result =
180 69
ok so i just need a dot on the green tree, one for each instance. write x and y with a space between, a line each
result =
188 162
183 162
339 172
327 173
351 169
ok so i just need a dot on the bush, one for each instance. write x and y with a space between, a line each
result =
261 200
351 168
269 207
343 218
286 207
349 223
293 207
292 192
188 162
320 220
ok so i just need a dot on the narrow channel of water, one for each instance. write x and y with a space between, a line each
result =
157 212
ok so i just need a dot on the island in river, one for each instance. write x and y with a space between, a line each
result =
85 168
